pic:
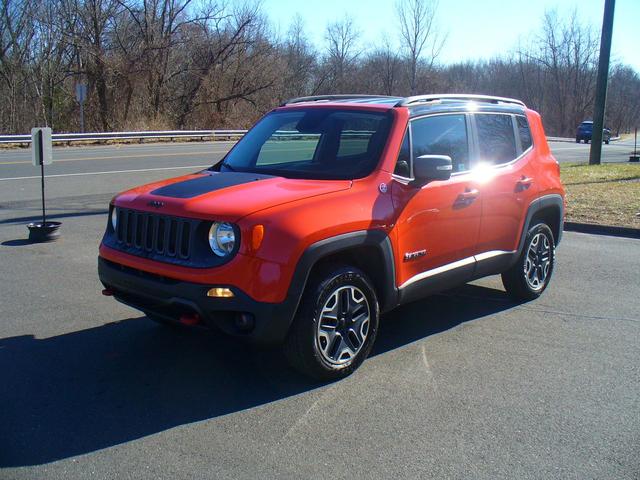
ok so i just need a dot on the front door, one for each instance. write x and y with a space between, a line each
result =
437 227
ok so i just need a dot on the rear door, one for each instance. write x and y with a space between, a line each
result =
506 174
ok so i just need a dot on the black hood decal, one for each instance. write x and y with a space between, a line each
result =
208 182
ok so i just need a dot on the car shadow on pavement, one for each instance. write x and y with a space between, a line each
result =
91 389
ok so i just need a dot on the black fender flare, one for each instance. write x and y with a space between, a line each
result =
553 200
378 239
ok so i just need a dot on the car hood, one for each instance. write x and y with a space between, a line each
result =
226 196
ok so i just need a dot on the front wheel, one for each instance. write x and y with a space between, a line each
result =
530 275
335 326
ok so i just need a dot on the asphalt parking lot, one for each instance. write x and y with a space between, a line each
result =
465 384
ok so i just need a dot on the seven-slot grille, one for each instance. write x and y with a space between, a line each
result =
156 234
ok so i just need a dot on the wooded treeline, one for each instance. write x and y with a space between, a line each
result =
164 64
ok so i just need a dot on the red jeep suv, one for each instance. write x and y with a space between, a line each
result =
334 209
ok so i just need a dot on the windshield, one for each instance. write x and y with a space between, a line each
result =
314 143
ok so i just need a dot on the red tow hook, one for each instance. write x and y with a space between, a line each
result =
108 292
189 319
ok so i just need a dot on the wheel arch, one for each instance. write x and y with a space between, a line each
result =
548 209
368 250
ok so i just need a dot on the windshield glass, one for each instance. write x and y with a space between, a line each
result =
315 143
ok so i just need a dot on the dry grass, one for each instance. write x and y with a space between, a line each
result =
607 194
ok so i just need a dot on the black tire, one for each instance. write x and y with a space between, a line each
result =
303 347
607 142
577 139
516 280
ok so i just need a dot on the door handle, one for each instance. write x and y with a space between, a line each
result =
467 197
469 194
523 183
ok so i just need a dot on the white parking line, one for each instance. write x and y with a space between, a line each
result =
107 173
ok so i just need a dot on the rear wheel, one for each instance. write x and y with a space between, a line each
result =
530 275
335 326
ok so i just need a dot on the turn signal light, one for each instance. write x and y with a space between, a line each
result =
257 234
220 292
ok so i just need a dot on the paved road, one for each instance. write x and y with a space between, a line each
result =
164 160
568 152
462 385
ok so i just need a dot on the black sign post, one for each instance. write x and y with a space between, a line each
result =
41 154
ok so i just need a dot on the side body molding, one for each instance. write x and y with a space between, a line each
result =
479 265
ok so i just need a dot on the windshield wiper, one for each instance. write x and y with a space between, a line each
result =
226 165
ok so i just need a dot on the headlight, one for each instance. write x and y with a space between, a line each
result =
222 238
114 218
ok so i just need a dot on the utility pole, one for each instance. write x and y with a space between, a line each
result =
601 83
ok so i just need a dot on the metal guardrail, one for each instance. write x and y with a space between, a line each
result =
202 134
103 136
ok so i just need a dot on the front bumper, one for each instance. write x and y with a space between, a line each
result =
169 299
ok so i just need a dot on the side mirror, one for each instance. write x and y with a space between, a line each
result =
432 167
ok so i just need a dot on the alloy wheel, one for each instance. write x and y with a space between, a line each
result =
538 261
343 325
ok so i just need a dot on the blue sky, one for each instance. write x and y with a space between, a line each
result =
476 29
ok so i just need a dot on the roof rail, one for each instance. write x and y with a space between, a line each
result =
328 98
457 96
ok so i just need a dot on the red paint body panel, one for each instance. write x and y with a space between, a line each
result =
297 213
432 218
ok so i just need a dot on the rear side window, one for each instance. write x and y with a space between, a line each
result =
525 133
442 135
496 138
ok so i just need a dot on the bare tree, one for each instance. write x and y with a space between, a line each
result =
419 34
341 37
300 61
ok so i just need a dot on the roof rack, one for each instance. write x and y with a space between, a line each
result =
405 102
328 98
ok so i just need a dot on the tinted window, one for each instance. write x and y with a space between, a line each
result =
278 148
318 143
403 167
496 138
525 133
442 135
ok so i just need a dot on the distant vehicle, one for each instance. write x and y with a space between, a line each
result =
334 209
585 129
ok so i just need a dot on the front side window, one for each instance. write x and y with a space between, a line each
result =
496 138
403 164
314 143
442 135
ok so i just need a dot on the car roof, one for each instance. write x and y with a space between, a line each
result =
417 105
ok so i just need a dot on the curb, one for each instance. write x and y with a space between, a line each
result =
594 229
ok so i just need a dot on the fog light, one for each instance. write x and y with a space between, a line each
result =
219 292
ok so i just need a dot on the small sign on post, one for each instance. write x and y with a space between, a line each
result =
41 149
81 97
41 155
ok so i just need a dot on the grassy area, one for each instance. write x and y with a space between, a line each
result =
607 194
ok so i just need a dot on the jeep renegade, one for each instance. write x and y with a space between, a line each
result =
334 209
